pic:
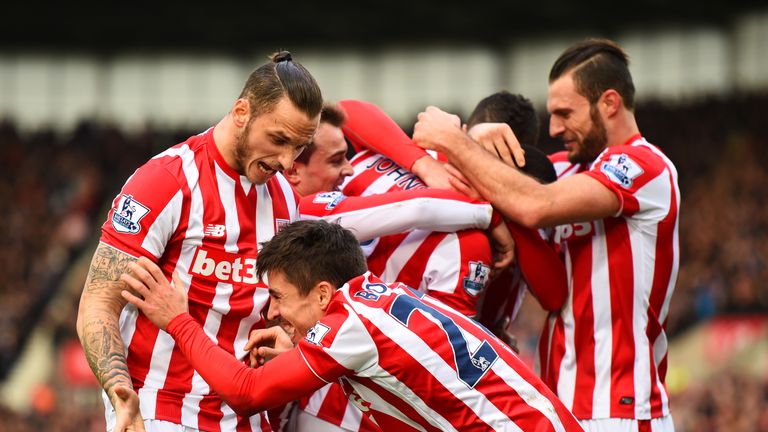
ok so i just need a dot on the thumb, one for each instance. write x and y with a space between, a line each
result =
177 282
122 392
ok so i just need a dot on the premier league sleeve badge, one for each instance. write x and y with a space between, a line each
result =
127 214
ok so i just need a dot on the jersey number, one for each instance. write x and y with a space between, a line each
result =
470 366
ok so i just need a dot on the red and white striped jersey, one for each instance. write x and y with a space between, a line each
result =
450 266
421 365
606 351
189 211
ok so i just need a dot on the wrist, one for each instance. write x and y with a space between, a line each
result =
177 322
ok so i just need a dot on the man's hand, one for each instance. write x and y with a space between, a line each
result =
436 129
127 412
162 301
460 183
503 248
432 172
499 140
267 343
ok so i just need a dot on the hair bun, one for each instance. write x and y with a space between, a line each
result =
281 56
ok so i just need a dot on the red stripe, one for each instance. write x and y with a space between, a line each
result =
334 404
387 245
413 270
552 350
584 325
623 292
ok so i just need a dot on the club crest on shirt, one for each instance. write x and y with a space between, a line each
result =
127 214
475 281
330 199
621 169
315 334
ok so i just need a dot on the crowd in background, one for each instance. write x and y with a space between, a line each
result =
55 190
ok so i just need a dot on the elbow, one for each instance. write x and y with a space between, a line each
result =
242 407
532 219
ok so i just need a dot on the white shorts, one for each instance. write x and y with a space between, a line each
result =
152 425
305 422
661 424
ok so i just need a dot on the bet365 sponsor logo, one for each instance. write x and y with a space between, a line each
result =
224 267
565 232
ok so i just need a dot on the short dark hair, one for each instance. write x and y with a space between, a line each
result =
309 252
513 109
332 114
538 165
597 65
282 77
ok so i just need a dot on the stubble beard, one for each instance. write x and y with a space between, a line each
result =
241 149
594 141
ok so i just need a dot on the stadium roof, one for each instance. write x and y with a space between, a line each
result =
113 26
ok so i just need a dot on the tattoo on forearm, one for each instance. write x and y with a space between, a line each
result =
104 350
100 333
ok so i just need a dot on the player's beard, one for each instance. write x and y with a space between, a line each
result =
594 141
241 149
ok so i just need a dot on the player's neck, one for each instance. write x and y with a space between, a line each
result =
623 128
224 136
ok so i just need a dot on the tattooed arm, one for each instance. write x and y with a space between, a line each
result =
99 332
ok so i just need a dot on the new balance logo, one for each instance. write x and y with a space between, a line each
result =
213 230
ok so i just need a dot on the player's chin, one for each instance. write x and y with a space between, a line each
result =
258 174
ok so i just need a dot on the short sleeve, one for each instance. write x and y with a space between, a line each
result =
638 177
145 213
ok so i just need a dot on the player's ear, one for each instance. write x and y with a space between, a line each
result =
324 291
241 112
610 102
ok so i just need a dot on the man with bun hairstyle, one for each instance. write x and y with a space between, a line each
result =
199 208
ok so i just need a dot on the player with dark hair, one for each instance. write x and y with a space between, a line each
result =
616 211
418 363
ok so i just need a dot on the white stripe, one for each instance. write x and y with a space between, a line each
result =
265 219
158 369
316 400
566 383
192 240
229 421
443 270
382 184
603 325
642 238
352 418
434 214
164 226
290 198
402 254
